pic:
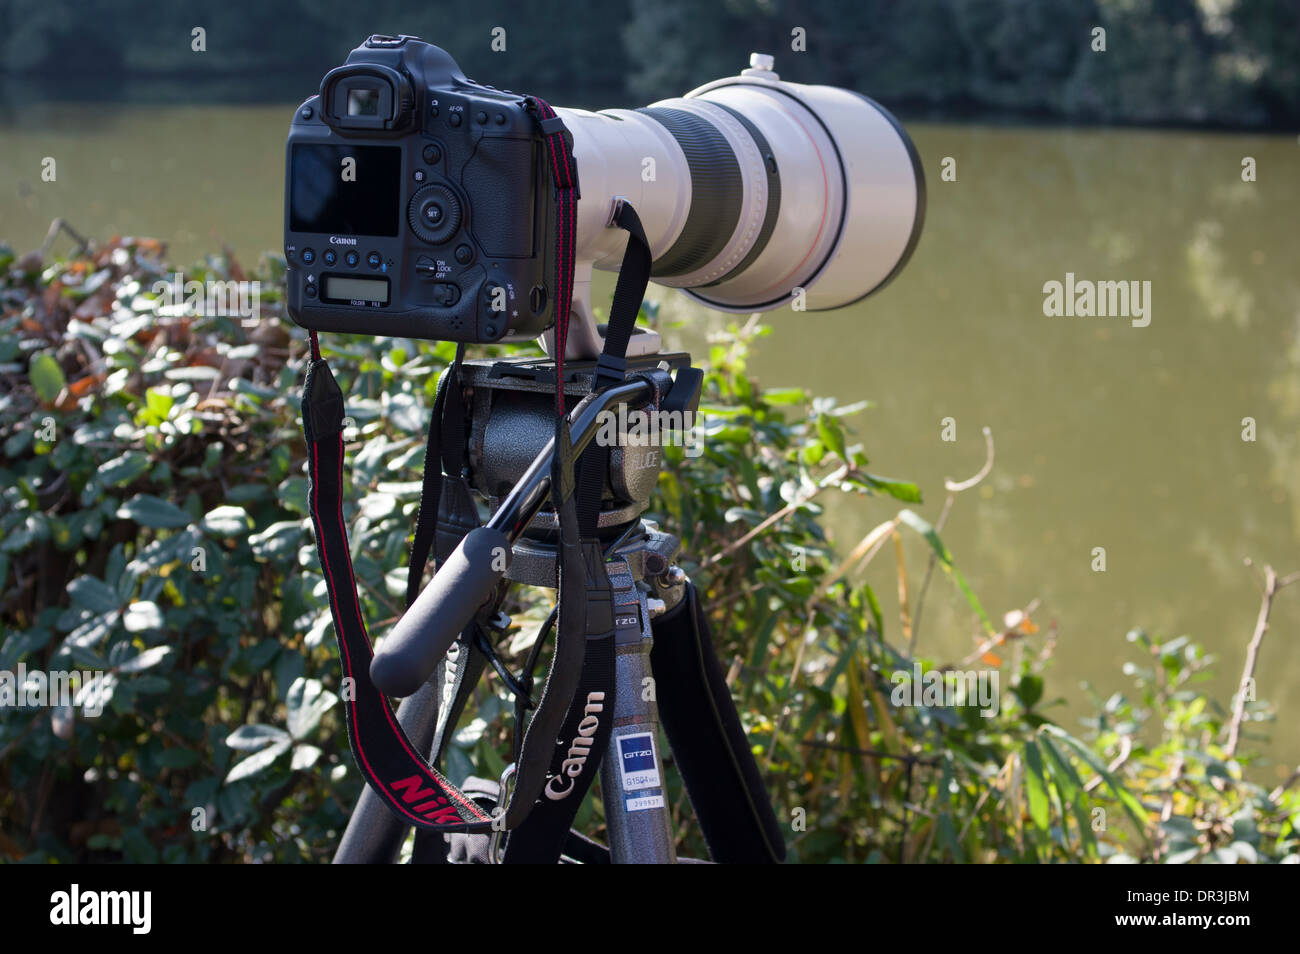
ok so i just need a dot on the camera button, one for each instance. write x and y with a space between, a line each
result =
330 257
373 260
307 256
432 154
352 258
309 290
480 117
454 119
434 214
501 119
464 254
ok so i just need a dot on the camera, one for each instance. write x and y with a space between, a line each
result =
418 202
412 202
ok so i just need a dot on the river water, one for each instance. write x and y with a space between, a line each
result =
1108 434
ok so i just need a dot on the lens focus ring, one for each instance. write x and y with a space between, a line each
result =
434 214
717 191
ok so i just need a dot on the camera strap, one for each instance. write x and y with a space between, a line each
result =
443 451
582 665
589 724
411 788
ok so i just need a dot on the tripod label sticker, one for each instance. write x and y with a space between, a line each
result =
643 802
636 761
627 621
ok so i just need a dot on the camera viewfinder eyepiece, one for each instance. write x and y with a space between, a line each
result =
366 97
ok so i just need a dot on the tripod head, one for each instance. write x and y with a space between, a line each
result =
511 461
512 414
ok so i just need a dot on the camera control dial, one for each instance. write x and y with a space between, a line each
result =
434 214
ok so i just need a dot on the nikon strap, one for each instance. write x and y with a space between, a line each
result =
388 761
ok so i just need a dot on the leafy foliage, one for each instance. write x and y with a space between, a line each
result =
154 536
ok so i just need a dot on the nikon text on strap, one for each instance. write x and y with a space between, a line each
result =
386 758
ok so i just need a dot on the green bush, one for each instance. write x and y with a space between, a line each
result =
153 530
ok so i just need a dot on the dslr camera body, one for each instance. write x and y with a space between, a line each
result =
412 203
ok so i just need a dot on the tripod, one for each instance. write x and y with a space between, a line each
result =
661 646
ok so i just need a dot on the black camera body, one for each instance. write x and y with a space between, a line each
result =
415 203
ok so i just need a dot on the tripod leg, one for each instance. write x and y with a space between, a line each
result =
709 745
631 775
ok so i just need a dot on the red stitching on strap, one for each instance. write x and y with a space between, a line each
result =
443 786
566 226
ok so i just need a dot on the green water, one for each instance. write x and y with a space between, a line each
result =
1107 435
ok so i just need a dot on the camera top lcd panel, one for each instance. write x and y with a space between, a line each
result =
412 203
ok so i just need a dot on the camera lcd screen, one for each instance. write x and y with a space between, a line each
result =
345 190
340 288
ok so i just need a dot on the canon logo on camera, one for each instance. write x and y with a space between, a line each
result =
340 240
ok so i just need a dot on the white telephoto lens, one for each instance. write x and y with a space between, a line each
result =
753 191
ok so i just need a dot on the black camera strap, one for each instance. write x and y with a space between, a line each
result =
411 788
582 665
611 367
443 451
589 724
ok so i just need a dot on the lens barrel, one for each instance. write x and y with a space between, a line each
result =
754 191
